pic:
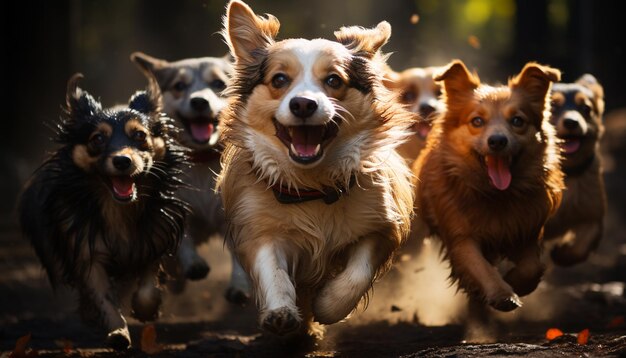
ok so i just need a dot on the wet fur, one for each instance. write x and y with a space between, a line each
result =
312 261
478 224
82 235
578 224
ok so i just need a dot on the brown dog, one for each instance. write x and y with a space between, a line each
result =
577 110
420 93
489 178
316 198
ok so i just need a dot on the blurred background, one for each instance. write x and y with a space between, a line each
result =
44 42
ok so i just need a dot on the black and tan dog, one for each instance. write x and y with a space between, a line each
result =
577 110
101 211
193 94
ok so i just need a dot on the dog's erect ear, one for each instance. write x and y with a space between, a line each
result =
246 33
391 78
365 41
535 80
79 104
148 101
589 81
147 64
457 80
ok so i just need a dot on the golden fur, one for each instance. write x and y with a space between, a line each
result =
477 223
312 244
578 224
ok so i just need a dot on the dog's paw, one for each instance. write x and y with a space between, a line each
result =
119 339
566 255
281 321
505 303
237 296
146 303
197 270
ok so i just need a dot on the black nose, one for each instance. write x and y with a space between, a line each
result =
497 142
199 104
426 109
302 107
121 162
570 123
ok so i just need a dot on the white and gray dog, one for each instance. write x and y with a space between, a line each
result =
193 95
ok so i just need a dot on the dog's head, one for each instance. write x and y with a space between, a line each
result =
419 92
577 110
497 129
193 94
119 146
302 104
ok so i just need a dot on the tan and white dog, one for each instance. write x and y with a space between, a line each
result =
194 96
419 91
316 198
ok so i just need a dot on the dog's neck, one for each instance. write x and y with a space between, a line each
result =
581 168
287 195
201 156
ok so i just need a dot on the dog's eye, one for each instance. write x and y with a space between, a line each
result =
333 81
517 121
409 96
139 136
477 122
280 80
585 109
437 91
218 85
97 139
180 86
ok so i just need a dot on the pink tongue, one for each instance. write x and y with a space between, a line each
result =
570 146
123 186
201 132
422 129
306 138
499 173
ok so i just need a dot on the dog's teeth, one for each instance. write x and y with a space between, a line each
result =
317 149
293 149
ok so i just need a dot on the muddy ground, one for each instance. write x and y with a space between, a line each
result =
412 312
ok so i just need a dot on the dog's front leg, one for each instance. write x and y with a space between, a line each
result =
275 291
193 265
238 291
526 275
339 296
98 304
147 299
479 277
582 240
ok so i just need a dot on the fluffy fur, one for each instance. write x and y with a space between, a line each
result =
100 212
194 95
489 178
577 110
311 260
418 90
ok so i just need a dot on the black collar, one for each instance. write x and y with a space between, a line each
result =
286 195
579 169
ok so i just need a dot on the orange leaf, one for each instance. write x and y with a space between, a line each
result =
553 333
148 340
415 18
615 322
473 41
20 347
583 336
65 344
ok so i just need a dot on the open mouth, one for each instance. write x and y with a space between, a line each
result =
123 188
570 145
306 143
422 129
498 170
200 129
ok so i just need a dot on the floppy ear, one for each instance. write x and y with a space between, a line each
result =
79 104
148 101
361 40
458 82
147 64
589 81
246 33
535 80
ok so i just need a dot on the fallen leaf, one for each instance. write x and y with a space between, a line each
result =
415 18
583 336
615 322
473 41
148 340
20 348
553 333
65 344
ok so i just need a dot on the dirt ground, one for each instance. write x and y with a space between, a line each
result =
412 312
